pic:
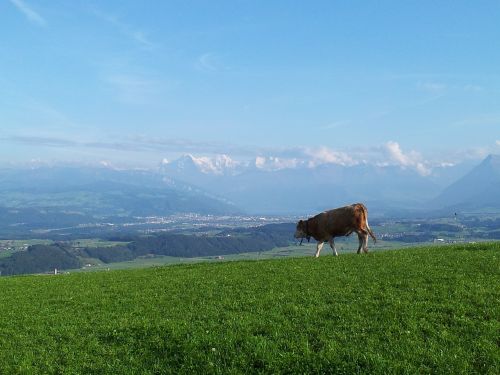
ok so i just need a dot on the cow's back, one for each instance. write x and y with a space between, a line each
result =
338 222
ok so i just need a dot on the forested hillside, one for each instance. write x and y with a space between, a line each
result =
39 258
64 256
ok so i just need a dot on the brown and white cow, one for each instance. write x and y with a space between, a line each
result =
337 222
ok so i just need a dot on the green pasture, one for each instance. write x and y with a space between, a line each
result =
408 311
344 246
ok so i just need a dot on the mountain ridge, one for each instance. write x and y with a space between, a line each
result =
478 189
101 190
221 185
307 188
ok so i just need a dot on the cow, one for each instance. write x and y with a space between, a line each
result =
338 222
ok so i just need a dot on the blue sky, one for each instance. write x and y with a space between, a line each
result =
133 82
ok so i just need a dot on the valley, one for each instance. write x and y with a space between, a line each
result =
157 241
185 187
204 210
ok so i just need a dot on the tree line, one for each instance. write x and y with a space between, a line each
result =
45 258
39 259
233 241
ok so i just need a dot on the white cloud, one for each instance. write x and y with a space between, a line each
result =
396 153
389 154
260 161
135 35
29 13
221 158
210 62
406 160
422 169
273 163
133 89
440 88
498 142
218 164
324 155
141 38
432 87
472 88
476 153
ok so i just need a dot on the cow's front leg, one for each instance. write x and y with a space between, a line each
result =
332 245
319 246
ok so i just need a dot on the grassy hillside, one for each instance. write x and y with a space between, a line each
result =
424 310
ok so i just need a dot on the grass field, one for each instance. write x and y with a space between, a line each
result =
419 310
344 246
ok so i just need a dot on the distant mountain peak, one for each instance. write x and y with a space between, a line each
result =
477 189
216 165
492 160
224 162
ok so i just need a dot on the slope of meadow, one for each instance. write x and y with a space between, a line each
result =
425 310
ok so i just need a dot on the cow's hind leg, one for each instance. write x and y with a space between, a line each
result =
363 241
360 238
332 245
319 246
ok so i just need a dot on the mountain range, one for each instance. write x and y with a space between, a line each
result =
266 186
103 191
222 186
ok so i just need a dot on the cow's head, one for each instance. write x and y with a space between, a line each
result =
301 229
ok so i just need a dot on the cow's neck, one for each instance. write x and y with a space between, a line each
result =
308 234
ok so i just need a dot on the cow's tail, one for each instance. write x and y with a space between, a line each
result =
370 232
368 229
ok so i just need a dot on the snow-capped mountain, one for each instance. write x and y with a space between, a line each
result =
278 185
221 185
217 165
106 191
